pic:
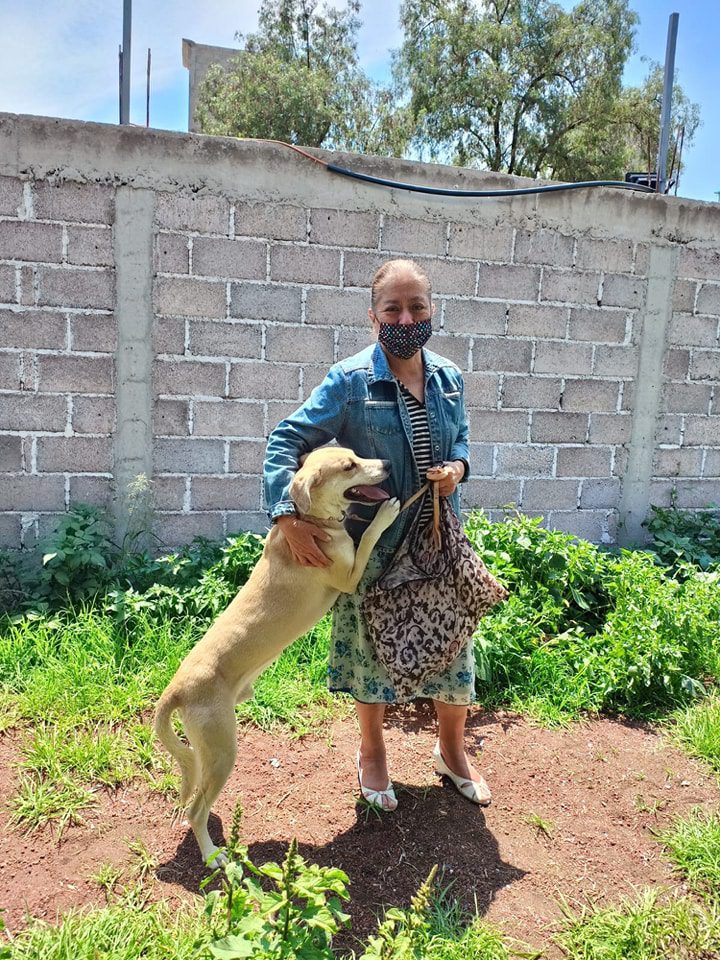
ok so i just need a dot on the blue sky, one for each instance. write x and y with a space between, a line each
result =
60 59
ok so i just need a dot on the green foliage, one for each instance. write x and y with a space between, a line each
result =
693 845
685 536
697 729
404 934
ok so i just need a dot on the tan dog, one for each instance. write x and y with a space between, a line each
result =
279 603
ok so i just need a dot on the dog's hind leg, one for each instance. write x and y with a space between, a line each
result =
213 736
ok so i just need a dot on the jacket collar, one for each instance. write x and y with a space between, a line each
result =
378 368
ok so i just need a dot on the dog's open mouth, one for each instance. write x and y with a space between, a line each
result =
366 494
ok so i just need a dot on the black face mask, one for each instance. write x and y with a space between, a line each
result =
404 340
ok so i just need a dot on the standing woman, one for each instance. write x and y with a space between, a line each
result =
399 402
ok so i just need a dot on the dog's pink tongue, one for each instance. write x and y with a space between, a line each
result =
371 493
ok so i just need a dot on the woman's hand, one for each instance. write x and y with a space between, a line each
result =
303 539
449 474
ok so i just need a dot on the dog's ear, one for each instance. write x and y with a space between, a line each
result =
300 489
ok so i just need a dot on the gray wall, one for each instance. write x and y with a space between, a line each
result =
165 299
198 58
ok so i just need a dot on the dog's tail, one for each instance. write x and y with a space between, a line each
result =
184 754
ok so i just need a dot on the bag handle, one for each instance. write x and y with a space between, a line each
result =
437 536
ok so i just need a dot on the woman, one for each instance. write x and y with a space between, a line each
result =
399 402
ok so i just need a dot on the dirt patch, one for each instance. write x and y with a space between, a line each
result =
600 790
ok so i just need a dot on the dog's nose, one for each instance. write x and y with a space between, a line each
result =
386 466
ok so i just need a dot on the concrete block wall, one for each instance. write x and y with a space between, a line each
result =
587 327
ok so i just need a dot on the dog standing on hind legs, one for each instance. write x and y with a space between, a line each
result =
280 601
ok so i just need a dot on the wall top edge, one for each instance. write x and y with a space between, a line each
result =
36 147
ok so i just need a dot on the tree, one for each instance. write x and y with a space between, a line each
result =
298 79
511 84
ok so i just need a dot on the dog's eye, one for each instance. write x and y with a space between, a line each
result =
348 467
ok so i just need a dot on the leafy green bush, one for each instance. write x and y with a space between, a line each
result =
685 536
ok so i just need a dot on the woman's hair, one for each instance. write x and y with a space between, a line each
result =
389 269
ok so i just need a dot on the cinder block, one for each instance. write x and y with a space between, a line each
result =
74 454
642 259
176 529
68 374
304 264
580 396
26 285
549 494
264 381
93 332
171 418
536 320
698 494
10 530
33 493
360 268
708 300
706 366
687 397
701 431
247 456
248 521
612 256
598 494
622 291
481 390
450 277
481 459
712 464
93 414
661 492
684 295
570 286
274 221
11 196
686 330
277 412
352 341
225 493
524 461
558 427
234 259
27 240
585 524
344 228
169 335
31 412
168 493
228 418
188 456
75 202
453 348
486 494
299 344
499 426
251 301
676 364
481 242
10 454
668 429
11 376
8 289
407 236
189 378
544 247
508 282
534 393
615 361
33 329
699 264
677 462
81 289
613 428
190 298
171 253
511 356
225 339
479 317
201 213
338 307
90 246
585 461
599 325
97 491
566 359
312 376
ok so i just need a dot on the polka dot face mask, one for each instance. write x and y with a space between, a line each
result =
404 340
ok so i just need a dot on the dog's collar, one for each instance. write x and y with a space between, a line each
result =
328 522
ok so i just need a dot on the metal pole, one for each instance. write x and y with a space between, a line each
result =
667 102
126 52
147 98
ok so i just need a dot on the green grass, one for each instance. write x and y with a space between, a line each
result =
39 801
693 845
697 729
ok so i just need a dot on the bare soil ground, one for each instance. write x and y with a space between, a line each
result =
602 788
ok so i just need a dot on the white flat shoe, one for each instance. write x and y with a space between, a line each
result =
476 791
381 799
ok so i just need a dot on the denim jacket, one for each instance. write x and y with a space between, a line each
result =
359 405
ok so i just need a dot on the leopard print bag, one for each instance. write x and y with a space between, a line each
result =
425 607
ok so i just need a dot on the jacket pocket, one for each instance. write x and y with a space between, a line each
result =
383 417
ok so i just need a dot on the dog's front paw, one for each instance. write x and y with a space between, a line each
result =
388 513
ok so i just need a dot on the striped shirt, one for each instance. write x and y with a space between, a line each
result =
421 444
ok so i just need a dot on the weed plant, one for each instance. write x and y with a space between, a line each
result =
697 729
682 536
693 845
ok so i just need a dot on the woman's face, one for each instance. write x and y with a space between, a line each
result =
402 299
